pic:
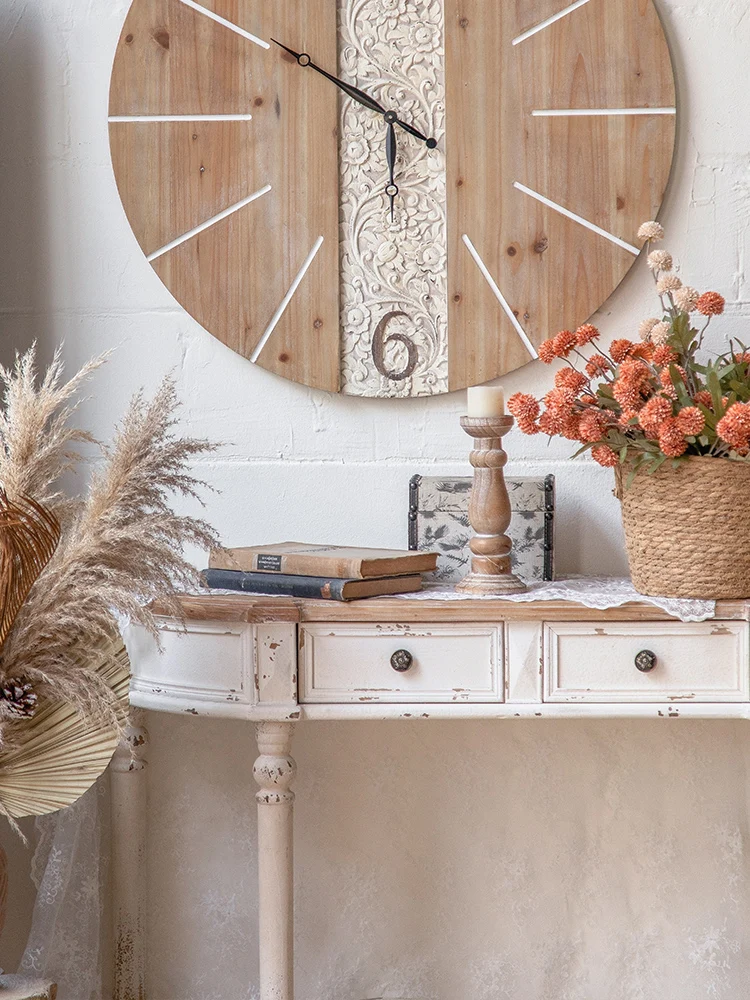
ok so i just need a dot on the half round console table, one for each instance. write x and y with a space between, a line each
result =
278 661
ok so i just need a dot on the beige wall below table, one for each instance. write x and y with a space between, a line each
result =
448 860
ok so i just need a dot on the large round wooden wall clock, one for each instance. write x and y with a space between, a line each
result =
391 197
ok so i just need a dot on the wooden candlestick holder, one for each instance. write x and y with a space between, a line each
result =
489 510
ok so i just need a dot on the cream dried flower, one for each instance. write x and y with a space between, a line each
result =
668 283
651 231
660 333
644 330
660 260
686 297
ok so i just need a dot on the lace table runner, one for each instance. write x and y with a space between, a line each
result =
592 592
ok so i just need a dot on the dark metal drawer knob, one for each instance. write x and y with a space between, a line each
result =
645 660
401 660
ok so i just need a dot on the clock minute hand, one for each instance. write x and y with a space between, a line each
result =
355 93
363 98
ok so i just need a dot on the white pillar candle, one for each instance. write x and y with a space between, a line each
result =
485 401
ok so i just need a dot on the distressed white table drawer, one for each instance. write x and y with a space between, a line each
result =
221 669
353 663
590 661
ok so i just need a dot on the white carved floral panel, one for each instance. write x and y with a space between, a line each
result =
393 272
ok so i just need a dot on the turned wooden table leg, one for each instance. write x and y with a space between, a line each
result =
274 771
128 790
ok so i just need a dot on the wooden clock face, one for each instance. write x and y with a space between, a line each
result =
261 192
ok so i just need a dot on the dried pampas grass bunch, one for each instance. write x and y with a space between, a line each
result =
121 545
37 443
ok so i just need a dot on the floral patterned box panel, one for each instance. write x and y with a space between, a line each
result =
439 520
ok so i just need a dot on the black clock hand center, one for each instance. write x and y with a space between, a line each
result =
363 98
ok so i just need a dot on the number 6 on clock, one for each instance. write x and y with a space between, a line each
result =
380 341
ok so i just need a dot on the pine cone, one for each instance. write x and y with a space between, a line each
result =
17 697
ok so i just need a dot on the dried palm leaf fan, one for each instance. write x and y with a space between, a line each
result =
54 757
52 753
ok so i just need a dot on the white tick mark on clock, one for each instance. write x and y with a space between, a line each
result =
209 222
546 23
499 296
286 300
576 218
585 112
226 24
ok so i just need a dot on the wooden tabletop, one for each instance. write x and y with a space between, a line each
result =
259 608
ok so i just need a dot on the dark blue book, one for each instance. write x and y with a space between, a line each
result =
327 588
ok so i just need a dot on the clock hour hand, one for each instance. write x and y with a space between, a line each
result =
429 142
392 118
391 189
354 92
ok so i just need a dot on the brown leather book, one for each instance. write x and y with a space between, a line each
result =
340 561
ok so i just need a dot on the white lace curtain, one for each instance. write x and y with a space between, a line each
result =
67 942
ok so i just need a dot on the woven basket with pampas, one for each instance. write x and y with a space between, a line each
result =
69 566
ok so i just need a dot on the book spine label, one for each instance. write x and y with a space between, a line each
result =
268 562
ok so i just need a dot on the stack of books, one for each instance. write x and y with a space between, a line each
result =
332 572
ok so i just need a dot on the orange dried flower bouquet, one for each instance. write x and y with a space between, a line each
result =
645 401
657 403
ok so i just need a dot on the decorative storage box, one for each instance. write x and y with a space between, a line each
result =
439 520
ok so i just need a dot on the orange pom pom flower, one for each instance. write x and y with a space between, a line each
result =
569 378
604 455
592 426
671 439
734 426
570 427
654 413
560 401
547 351
621 349
690 421
523 406
551 423
629 394
664 355
565 341
710 304
586 334
527 426
597 365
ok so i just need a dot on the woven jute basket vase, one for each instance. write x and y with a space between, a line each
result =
687 528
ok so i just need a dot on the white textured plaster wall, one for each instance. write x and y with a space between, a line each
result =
299 463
